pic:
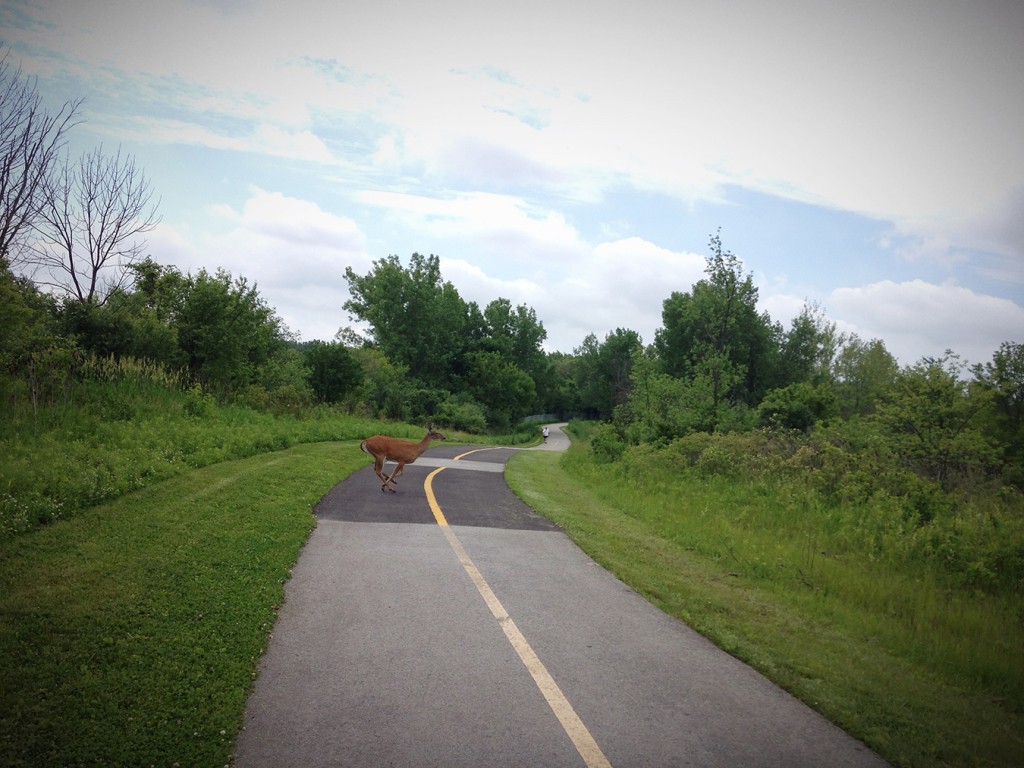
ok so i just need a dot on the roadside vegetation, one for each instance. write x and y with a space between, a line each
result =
853 528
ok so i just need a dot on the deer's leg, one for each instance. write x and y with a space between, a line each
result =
378 468
398 470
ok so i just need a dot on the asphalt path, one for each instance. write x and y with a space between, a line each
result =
448 625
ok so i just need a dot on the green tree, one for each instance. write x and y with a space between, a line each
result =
417 320
385 391
929 415
603 371
26 325
797 406
1003 378
226 330
864 373
716 334
515 334
660 407
333 371
809 348
505 390
558 389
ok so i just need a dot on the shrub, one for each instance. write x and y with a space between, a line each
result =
463 415
606 444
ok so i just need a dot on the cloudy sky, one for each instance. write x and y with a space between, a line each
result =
573 156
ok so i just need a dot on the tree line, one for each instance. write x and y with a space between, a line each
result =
74 283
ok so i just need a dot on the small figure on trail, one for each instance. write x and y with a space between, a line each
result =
545 432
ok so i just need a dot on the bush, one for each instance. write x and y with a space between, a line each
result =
798 406
606 444
463 415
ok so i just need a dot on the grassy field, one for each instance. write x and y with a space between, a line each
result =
130 634
924 676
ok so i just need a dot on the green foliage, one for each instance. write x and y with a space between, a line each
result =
606 444
444 344
122 428
603 370
797 406
334 372
808 350
873 507
716 334
864 374
386 389
462 414
505 391
225 330
1003 380
419 321
929 415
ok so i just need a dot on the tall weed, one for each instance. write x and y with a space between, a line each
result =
125 425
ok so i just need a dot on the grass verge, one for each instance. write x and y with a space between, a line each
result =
130 634
861 670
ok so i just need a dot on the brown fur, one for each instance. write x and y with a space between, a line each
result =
404 452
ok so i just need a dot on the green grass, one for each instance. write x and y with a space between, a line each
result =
925 676
130 634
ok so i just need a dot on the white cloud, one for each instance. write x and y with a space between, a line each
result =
500 226
497 135
917 319
620 284
292 250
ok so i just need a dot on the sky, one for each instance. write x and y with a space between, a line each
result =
576 157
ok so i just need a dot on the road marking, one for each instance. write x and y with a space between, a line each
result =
475 450
571 722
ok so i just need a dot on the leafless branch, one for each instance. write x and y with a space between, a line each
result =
91 224
30 143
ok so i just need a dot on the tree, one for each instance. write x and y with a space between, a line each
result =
31 140
25 321
505 391
603 371
864 373
89 224
659 405
1003 378
333 371
226 331
800 406
418 321
716 333
809 348
516 334
929 415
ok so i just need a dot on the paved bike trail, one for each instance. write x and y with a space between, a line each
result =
390 651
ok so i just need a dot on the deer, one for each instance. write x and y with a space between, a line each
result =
403 451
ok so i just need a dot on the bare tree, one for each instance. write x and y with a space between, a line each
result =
90 223
30 143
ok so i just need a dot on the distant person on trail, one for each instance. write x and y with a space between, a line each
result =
545 433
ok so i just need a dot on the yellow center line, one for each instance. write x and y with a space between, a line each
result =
475 450
571 722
